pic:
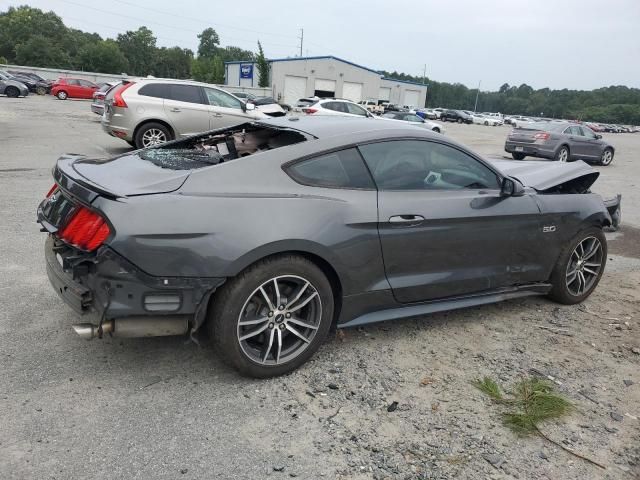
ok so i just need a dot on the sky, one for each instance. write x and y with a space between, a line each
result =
576 44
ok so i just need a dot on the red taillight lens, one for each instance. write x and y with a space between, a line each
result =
541 136
118 101
309 111
86 230
51 190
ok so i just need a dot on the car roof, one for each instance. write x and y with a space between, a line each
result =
333 126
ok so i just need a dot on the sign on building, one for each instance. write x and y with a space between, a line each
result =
246 70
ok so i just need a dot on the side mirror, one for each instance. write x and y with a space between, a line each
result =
249 107
511 188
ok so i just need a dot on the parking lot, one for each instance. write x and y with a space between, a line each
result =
168 408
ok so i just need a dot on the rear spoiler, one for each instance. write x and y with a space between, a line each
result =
73 183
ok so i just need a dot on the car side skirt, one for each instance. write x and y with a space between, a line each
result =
415 310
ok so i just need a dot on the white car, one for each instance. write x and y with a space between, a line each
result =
414 120
334 106
480 119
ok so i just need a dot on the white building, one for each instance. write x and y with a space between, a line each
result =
326 76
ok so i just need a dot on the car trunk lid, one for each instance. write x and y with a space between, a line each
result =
547 175
523 135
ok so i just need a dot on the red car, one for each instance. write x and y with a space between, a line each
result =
73 88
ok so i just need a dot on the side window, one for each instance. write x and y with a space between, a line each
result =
355 109
157 90
413 118
343 169
86 83
335 106
422 165
186 93
587 132
72 81
573 131
218 98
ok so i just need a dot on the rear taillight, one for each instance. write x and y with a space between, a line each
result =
309 111
51 190
118 101
86 230
542 136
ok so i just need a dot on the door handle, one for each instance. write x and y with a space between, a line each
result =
406 219
217 115
176 110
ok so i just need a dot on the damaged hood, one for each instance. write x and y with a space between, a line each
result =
543 175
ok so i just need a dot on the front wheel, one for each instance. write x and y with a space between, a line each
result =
518 156
41 90
579 267
486 124
459 120
62 95
12 92
563 154
271 318
607 157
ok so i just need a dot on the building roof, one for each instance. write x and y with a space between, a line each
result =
390 79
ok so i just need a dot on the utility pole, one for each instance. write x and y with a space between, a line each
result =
477 93
301 37
424 74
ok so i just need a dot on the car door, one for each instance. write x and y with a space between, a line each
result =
86 88
187 109
72 88
445 230
592 144
577 142
225 110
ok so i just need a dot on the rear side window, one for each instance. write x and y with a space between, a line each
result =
72 81
218 98
343 169
186 93
158 90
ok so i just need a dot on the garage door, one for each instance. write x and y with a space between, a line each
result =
412 98
385 94
325 88
352 91
294 89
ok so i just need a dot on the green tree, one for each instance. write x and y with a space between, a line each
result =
139 47
38 51
209 43
104 56
208 70
263 67
173 62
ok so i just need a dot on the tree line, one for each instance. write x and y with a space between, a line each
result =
30 36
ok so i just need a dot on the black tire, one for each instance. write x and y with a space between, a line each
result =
560 291
230 300
560 154
62 95
41 90
486 124
607 157
436 129
12 92
459 120
518 156
139 139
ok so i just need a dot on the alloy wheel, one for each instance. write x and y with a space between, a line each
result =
584 266
153 136
563 155
279 320
607 156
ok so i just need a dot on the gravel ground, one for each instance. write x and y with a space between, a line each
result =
388 401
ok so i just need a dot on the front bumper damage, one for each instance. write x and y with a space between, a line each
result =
105 288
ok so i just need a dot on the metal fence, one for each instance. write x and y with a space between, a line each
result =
55 73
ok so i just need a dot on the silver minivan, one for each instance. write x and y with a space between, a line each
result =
146 112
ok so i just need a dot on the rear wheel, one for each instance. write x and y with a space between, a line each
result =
486 124
12 92
151 134
41 90
579 267
607 157
62 95
518 156
563 154
271 318
459 120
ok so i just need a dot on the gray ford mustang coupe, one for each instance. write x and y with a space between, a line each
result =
271 233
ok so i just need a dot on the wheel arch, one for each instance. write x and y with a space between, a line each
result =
153 120
316 254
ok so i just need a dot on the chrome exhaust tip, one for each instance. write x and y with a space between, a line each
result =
85 330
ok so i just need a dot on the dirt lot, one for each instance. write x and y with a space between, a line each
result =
165 408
